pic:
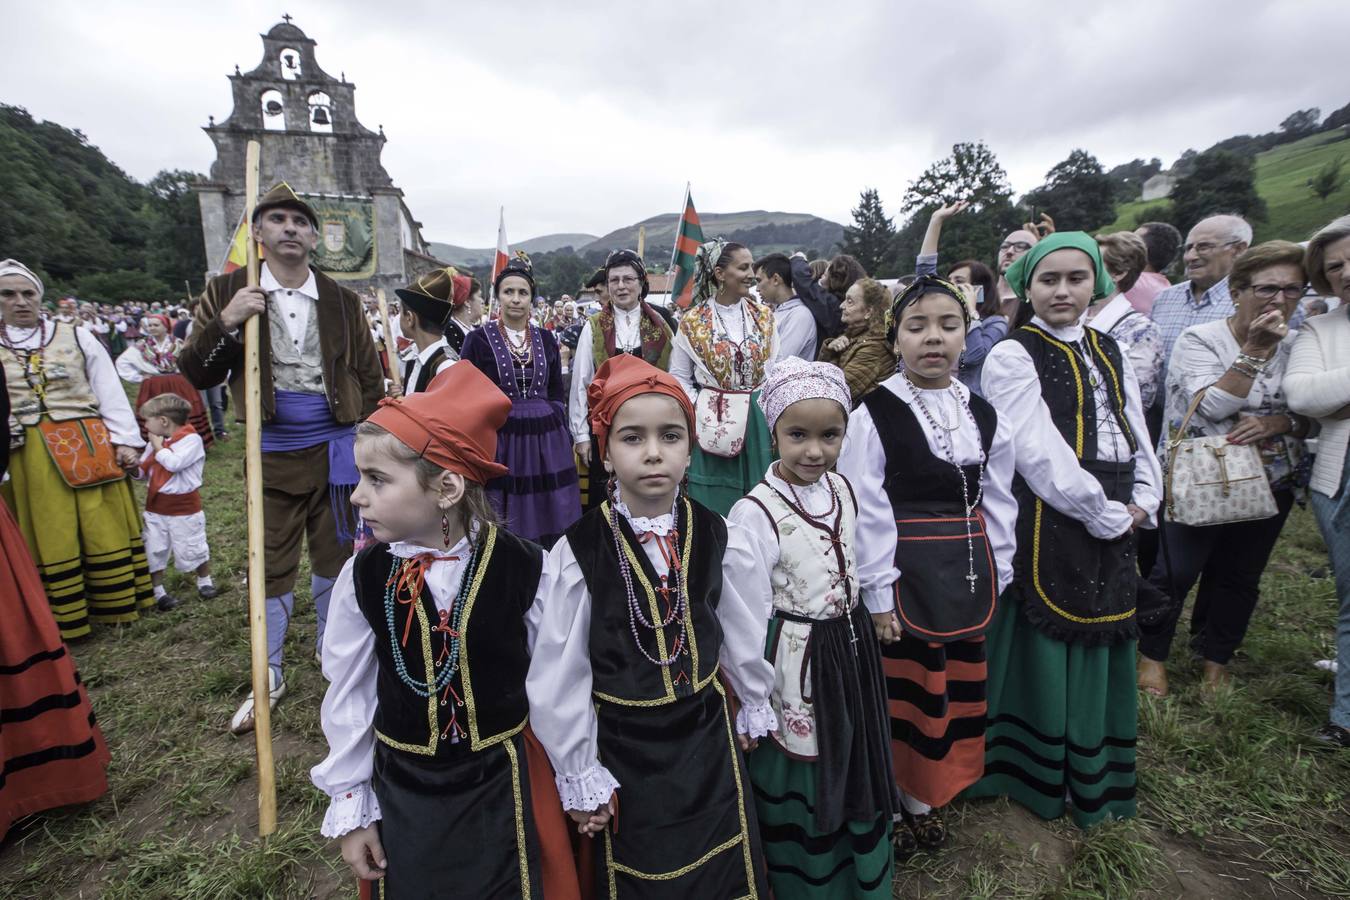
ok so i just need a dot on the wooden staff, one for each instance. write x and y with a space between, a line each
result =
390 345
642 240
253 481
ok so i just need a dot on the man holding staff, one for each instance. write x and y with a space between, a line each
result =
320 375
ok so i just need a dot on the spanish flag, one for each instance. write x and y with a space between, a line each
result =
236 255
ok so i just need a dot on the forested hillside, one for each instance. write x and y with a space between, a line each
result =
85 225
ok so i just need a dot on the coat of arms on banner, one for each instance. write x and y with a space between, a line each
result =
347 235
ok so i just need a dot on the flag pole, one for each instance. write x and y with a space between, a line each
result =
390 345
253 481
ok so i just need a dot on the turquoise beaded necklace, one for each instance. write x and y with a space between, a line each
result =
447 672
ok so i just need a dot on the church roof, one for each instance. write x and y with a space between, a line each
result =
285 31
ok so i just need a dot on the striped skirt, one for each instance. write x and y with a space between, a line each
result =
936 698
51 751
853 863
1062 722
86 541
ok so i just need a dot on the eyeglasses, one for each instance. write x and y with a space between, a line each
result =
1271 291
1019 246
1204 248
623 279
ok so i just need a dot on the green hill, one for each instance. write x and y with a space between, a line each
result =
1282 174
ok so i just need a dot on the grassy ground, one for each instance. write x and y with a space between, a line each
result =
1235 801
1293 211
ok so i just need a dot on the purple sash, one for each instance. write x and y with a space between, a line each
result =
303 421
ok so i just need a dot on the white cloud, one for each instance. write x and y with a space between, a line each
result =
586 116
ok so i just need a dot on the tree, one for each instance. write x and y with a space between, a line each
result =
1328 179
871 237
1077 193
971 173
175 253
1219 182
1301 122
1129 178
122 286
1339 119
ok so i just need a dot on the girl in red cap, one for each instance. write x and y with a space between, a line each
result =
644 607
429 769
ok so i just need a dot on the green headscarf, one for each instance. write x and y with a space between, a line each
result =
1019 273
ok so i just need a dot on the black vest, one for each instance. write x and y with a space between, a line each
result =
423 377
913 472
454 335
486 700
620 673
1065 388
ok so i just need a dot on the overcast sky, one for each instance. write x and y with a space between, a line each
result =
587 116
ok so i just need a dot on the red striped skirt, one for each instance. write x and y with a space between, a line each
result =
935 695
51 752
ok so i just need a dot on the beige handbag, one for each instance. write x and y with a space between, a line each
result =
1212 482
721 418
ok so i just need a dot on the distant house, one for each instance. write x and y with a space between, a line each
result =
1159 187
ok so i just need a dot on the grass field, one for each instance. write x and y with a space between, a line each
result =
1293 211
1235 800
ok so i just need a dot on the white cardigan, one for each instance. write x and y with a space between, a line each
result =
1316 384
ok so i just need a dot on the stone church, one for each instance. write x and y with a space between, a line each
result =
305 120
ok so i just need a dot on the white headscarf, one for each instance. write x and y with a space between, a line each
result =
14 267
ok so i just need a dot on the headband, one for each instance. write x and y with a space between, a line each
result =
918 288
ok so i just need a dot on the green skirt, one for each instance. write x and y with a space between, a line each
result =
854 863
1062 722
718 482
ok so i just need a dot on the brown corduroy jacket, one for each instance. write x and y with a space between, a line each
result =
352 377
867 360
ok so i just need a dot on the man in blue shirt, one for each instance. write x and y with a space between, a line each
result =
1210 249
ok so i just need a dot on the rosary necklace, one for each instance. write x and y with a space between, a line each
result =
949 451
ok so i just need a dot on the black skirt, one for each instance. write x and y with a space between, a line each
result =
855 780
457 828
686 818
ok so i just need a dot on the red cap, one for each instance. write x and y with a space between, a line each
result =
620 379
453 423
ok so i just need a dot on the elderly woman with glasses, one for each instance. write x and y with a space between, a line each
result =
1318 385
1239 362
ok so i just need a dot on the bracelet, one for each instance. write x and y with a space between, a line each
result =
1246 369
1253 361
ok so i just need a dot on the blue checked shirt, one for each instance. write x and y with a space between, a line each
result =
1175 309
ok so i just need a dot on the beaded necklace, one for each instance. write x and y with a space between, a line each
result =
34 367
411 574
823 517
676 610
949 451
742 363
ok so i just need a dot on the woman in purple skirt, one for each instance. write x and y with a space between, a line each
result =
538 498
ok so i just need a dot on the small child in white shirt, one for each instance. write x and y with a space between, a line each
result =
174 522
